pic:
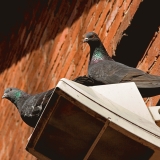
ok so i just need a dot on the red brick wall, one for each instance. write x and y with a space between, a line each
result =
43 45
151 63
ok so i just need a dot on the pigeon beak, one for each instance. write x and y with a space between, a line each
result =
4 96
85 39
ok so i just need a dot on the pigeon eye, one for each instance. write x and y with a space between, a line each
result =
92 36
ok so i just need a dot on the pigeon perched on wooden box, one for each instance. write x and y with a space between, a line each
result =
104 69
30 107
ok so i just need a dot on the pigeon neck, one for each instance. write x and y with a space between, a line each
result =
18 99
98 53
17 104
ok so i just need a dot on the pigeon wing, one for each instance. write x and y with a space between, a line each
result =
110 72
107 72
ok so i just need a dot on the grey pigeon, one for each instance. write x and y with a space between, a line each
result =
30 107
104 69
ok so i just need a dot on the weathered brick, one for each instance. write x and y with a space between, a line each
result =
68 61
151 53
152 101
70 71
151 63
89 17
114 27
105 10
75 30
46 45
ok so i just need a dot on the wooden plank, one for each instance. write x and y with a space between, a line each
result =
97 139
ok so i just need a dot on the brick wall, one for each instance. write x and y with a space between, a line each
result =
150 63
41 42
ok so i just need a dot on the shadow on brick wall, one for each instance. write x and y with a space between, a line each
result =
23 23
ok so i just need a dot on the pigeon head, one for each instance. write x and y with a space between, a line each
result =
90 37
12 94
97 50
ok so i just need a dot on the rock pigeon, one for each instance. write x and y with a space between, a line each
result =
104 69
30 107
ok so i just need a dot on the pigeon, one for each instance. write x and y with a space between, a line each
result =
104 69
31 107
